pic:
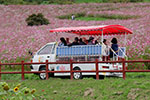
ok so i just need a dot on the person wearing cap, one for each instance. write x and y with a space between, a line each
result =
90 41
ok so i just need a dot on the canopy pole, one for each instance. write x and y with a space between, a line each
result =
56 36
102 36
102 44
125 39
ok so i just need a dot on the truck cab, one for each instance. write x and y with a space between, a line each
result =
47 52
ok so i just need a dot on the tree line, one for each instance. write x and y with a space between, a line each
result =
26 2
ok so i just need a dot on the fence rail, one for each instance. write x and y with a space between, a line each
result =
124 70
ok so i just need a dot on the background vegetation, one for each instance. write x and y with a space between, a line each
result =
37 19
6 2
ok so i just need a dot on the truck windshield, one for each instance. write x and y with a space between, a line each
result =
46 50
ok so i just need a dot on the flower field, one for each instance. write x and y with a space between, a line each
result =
16 38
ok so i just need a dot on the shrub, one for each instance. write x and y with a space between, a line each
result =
136 0
37 20
7 2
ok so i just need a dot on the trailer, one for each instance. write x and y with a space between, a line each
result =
53 53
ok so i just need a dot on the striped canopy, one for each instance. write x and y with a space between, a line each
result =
95 30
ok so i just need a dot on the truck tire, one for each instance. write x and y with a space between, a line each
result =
77 75
42 75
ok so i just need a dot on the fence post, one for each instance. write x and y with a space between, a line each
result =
47 70
22 72
0 70
97 71
71 70
124 72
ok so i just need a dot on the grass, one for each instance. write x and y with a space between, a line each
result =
108 1
136 86
91 18
88 1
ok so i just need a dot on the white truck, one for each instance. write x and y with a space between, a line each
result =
53 53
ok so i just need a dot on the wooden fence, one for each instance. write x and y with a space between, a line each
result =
123 70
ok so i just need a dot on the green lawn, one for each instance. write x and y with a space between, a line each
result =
88 1
91 18
107 1
136 86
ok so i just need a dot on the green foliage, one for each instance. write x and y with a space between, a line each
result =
6 2
91 18
107 1
16 93
18 76
116 16
82 14
36 1
90 1
136 0
37 20
63 1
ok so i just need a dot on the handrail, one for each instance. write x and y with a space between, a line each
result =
124 54
113 52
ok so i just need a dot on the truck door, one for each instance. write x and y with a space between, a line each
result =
46 53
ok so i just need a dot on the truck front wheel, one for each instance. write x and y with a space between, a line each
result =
42 75
77 75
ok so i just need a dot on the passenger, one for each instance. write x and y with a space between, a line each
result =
105 50
62 42
85 40
67 40
90 41
96 42
114 47
81 42
76 42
